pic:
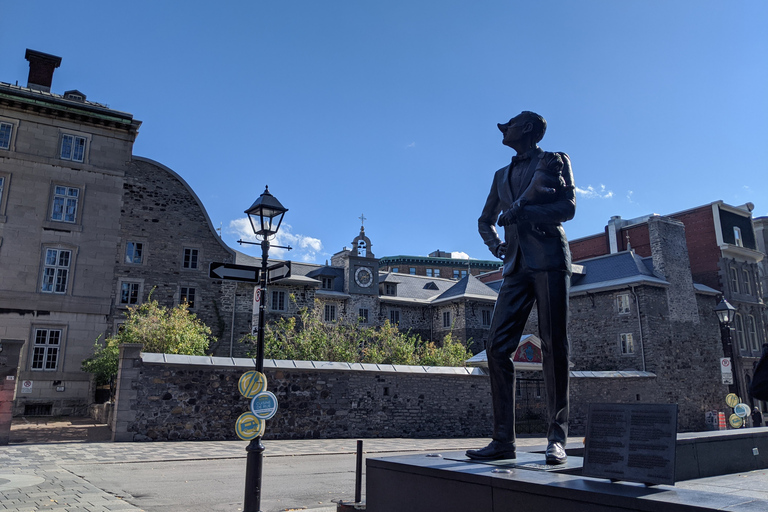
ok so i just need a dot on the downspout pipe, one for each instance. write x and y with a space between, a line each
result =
639 325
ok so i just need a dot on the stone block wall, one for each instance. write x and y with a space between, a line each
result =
170 397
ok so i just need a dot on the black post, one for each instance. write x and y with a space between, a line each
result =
359 472
255 449
725 332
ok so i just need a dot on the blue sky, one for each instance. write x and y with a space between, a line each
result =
390 108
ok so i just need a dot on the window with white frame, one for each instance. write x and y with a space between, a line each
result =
130 293
740 335
330 312
65 200
752 334
627 343
56 270
486 317
278 300
327 283
72 148
134 253
390 289
737 240
622 303
45 351
734 279
394 316
191 258
6 130
747 289
187 294
362 315
446 319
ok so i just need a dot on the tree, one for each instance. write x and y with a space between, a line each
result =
159 329
307 338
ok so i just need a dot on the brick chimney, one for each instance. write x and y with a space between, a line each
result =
41 68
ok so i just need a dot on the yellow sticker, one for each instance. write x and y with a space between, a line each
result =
731 399
735 421
252 383
248 426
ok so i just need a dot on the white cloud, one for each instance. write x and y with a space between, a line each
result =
305 248
591 192
629 196
459 255
411 145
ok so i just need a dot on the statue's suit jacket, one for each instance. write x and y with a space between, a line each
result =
537 236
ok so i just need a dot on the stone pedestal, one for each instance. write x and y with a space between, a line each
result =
9 363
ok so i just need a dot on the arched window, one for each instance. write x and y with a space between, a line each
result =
752 334
739 324
361 249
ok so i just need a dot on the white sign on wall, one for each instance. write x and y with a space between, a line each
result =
26 386
725 365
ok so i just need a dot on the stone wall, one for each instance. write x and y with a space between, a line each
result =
169 397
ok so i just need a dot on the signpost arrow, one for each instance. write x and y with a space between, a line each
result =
231 272
278 271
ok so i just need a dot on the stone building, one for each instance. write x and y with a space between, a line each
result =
443 264
724 254
88 229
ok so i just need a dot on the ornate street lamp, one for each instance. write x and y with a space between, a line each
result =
266 215
725 314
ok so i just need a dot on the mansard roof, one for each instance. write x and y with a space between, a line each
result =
468 287
619 269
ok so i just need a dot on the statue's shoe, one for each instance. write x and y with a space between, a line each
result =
556 453
494 451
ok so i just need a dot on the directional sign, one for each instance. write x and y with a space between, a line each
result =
231 272
252 383
278 271
248 426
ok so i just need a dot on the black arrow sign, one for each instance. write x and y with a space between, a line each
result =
231 272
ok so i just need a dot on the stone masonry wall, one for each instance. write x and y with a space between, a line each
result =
169 397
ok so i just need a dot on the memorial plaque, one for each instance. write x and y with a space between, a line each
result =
631 442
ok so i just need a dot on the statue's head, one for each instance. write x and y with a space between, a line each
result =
526 125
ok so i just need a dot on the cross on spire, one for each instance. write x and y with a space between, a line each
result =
362 219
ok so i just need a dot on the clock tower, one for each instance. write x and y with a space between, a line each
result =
362 267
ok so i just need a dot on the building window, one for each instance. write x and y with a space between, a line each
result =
134 253
394 316
65 203
187 294
627 343
622 303
737 240
130 293
429 272
327 283
446 319
486 317
390 289
455 274
740 338
6 129
395 269
45 353
278 300
56 270
412 271
734 279
752 334
437 272
362 315
747 286
72 148
191 258
330 312
2 188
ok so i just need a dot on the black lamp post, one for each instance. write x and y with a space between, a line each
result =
725 314
266 215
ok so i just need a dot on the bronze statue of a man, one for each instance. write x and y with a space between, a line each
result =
534 195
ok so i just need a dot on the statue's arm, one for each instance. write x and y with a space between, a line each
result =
486 222
561 209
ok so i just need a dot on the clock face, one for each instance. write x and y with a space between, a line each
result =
364 277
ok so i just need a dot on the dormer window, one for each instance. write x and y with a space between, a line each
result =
327 283
737 240
390 289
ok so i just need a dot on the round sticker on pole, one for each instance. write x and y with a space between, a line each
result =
735 421
248 426
264 405
252 383
731 399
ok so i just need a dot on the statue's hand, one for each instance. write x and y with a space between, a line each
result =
501 250
510 216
